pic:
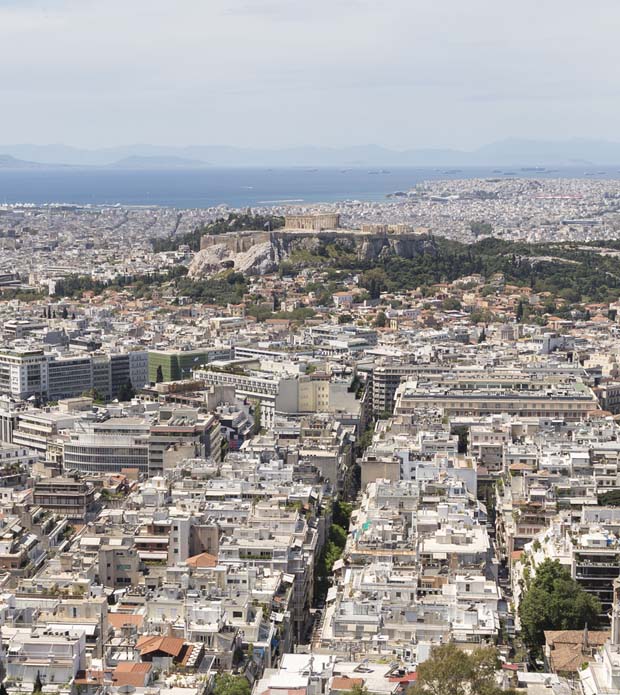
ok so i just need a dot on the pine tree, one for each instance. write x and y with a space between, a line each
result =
38 685
519 314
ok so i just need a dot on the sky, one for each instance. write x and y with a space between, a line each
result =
278 73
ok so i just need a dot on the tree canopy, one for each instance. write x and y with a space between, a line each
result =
610 498
452 671
357 690
554 601
227 684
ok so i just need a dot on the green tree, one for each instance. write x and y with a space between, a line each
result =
611 498
227 684
357 689
95 395
451 304
257 415
375 281
554 601
126 391
3 690
451 671
380 320
159 375
479 228
38 685
519 312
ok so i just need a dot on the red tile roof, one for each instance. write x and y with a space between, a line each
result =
155 643
202 560
346 683
119 620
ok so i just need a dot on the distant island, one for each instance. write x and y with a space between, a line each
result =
135 162
505 153
9 162
138 162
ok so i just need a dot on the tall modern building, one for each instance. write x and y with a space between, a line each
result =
23 373
174 365
52 376
109 446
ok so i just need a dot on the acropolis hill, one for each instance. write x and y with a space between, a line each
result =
261 251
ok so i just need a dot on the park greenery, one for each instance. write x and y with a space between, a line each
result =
568 271
553 600
23 295
235 222
568 275
227 287
262 312
452 671
76 285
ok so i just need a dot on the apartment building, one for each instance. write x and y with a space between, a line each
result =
53 376
571 401
182 433
53 655
109 446
74 499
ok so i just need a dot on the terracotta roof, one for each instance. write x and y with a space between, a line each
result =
345 683
567 651
290 691
119 620
596 638
202 560
520 467
155 643
131 673
410 677
133 667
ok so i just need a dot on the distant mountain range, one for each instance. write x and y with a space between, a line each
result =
9 162
511 152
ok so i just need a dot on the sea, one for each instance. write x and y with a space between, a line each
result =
245 187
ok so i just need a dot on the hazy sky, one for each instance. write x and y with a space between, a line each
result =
400 73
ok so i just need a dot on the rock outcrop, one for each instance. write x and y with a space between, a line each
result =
259 253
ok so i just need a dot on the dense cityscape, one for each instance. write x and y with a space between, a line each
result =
362 448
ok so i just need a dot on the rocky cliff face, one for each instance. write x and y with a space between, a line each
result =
257 253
